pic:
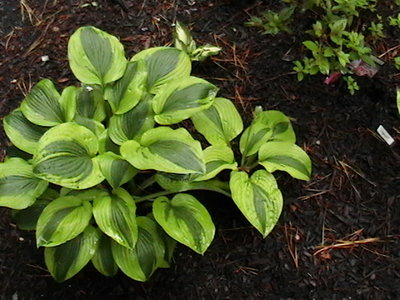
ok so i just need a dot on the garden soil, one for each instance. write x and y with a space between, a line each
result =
339 234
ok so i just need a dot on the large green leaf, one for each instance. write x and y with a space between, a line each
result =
139 263
217 158
220 123
19 187
116 216
62 220
269 125
164 64
90 102
96 57
103 259
181 99
22 133
186 220
124 94
115 169
45 107
65 156
286 157
66 260
165 149
258 198
27 218
132 124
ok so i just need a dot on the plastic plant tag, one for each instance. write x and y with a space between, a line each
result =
385 135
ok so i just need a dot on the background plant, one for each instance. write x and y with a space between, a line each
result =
102 171
338 36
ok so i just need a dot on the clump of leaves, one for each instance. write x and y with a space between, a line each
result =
338 36
273 22
103 172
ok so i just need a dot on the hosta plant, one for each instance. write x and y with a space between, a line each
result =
103 171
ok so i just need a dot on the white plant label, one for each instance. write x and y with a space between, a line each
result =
385 135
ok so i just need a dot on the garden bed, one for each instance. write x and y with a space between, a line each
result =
339 233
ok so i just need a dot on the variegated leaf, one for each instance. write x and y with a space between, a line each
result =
165 149
258 198
148 255
186 220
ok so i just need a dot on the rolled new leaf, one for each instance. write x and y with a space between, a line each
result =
217 158
115 169
68 259
164 64
45 107
21 132
66 156
132 124
148 255
269 125
96 57
19 186
258 198
103 259
181 99
165 149
116 216
220 123
186 220
62 220
124 94
285 156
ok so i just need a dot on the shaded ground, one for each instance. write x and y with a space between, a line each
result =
338 237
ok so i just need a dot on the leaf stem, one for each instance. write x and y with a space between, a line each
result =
152 197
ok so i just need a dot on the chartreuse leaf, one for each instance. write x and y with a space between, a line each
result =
124 94
258 198
132 124
26 219
220 123
269 125
181 99
165 149
186 220
115 169
96 57
286 157
90 103
103 259
65 156
217 158
45 107
68 259
22 133
116 216
19 187
140 263
164 64
62 220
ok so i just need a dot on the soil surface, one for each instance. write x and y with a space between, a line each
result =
339 233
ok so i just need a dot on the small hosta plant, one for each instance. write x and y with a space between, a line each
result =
103 171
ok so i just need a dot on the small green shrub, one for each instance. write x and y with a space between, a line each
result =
102 171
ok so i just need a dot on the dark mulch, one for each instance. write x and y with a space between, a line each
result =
338 237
